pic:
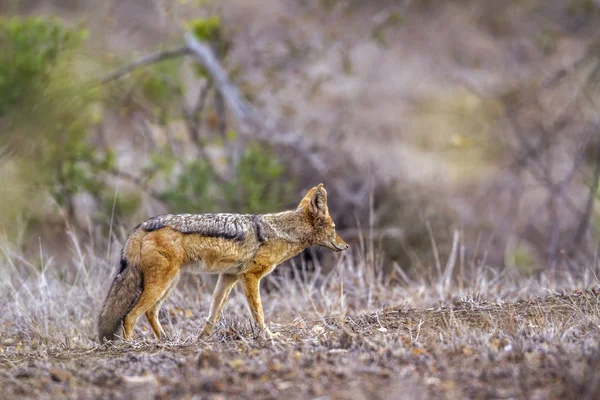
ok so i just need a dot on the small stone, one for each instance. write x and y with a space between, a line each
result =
60 375
318 329
140 380
208 359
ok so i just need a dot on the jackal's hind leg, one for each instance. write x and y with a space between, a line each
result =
152 313
220 294
156 283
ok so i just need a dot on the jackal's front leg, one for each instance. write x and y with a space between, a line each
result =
222 290
251 283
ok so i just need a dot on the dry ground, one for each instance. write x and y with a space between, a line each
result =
539 348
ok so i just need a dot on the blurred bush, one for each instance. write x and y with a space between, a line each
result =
458 128
259 185
46 109
55 114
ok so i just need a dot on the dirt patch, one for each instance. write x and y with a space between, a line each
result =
541 348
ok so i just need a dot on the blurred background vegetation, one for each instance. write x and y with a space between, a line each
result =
428 119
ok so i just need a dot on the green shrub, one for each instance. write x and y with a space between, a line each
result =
192 189
31 48
210 30
161 84
259 184
50 108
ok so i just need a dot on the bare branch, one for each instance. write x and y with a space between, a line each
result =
221 114
249 119
243 113
192 121
144 61
137 181
192 115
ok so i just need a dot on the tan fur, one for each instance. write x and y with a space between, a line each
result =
237 247
123 294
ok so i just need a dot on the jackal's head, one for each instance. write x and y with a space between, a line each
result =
314 204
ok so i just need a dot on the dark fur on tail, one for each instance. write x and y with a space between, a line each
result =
122 295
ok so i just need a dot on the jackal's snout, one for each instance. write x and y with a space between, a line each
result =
339 244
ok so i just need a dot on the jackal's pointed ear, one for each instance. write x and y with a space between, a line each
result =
318 202
306 199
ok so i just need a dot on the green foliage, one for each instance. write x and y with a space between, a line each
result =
155 90
119 207
30 51
259 185
162 85
158 164
210 30
522 257
192 189
80 168
51 109
47 96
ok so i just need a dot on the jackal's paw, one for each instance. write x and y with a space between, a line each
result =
166 337
162 337
206 331
267 334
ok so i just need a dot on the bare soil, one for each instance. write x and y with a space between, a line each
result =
541 348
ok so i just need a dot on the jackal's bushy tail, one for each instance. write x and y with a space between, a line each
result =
123 293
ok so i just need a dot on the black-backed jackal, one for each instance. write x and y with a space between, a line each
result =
235 246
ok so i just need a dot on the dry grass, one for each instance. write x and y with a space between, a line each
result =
347 333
